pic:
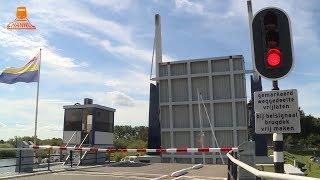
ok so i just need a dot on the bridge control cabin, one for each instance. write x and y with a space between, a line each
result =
89 124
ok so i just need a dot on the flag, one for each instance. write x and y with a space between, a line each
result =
27 73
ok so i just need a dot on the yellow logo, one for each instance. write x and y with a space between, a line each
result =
21 21
21 13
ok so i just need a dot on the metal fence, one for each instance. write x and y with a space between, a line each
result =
48 162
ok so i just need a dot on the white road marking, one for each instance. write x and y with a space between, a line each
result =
117 173
161 177
127 177
178 177
204 177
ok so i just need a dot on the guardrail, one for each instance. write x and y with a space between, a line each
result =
234 163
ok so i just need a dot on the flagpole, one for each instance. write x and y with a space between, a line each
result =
37 102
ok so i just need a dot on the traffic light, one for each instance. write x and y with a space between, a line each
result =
272 43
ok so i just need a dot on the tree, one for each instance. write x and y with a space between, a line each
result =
129 132
309 136
130 137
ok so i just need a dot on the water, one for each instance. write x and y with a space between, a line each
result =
7 162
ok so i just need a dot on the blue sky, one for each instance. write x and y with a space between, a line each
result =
102 50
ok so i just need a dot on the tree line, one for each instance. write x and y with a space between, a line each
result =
137 137
124 137
309 136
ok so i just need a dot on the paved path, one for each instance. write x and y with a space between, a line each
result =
153 171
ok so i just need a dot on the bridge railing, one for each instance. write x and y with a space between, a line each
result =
234 163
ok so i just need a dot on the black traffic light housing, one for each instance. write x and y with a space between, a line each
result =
272 43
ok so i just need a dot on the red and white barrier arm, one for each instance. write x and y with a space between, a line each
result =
170 150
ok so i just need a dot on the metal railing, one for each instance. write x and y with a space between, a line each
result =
234 163
48 163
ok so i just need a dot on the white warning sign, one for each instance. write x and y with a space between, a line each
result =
278 122
276 112
281 100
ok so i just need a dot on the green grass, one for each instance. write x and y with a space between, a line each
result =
6 153
266 168
313 169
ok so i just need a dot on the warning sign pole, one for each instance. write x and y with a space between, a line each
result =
278 160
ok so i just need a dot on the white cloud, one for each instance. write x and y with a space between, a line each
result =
12 39
51 128
190 7
129 111
50 118
49 58
2 125
117 39
134 115
27 46
75 76
114 5
131 82
78 16
120 99
206 9
54 65
301 18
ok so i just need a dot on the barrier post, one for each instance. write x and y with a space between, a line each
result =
60 158
96 156
71 157
20 154
80 157
229 169
48 160
109 155
235 168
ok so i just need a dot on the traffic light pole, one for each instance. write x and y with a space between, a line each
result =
278 159
272 54
275 85
250 17
256 85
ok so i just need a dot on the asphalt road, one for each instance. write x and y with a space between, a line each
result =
152 171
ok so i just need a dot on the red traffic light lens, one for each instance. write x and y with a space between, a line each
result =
273 57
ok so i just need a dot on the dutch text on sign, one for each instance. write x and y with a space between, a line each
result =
278 122
284 100
277 112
